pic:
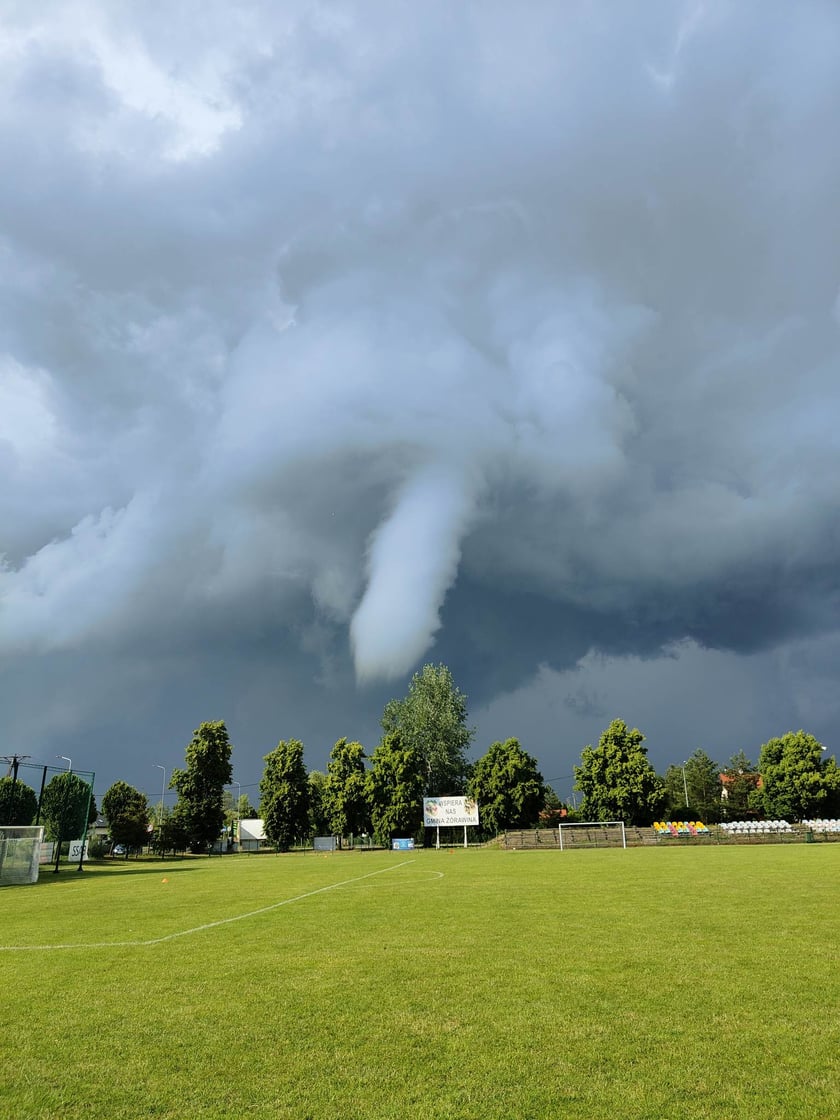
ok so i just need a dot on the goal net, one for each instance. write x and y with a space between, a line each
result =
20 849
592 834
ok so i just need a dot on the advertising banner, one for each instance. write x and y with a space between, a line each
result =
449 812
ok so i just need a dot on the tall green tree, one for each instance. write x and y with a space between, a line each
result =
127 813
319 823
432 722
797 783
284 795
617 780
508 787
67 807
395 789
699 777
170 834
346 792
740 795
245 811
18 802
200 786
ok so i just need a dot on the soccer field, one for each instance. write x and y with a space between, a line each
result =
486 984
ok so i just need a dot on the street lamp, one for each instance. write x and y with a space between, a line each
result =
685 786
69 761
158 766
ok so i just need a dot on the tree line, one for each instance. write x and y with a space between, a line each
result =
423 753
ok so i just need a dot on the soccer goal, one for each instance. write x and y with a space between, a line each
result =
592 834
20 849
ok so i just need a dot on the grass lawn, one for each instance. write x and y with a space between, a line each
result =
695 982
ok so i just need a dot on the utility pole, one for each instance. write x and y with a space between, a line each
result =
14 760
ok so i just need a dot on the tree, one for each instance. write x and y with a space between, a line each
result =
797 783
170 834
508 787
18 803
245 811
740 795
284 795
395 789
66 807
127 813
319 824
553 810
617 780
346 792
699 777
200 806
432 722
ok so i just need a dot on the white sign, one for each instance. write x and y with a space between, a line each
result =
76 850
449 812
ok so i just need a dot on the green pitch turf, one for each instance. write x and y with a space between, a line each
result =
699 983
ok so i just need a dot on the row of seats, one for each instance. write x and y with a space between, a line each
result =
823 825
679 828
738 827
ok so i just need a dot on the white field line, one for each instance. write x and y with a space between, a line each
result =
201 928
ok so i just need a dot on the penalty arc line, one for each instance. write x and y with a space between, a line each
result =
206 925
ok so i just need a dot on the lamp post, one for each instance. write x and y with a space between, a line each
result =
685 786
162 792
69 761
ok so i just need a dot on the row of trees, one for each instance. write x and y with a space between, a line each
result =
67 805
793 781
422 753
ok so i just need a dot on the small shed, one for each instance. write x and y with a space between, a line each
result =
250 834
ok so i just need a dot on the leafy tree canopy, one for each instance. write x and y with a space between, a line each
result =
319 824
346 790
18 803
395 789
285 795
508 787
740 782
66 807
432 722
127 813
617 780
200 807
699 777
797 782
170 834
245 811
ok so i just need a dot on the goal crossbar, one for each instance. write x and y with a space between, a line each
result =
592 824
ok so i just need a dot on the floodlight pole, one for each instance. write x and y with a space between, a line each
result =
685 787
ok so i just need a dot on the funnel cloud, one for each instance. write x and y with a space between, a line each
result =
336 338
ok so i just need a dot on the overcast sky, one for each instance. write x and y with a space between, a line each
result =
336 338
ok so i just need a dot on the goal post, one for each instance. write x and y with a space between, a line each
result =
20 850
592 834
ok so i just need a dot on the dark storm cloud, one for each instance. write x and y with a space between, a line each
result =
506 334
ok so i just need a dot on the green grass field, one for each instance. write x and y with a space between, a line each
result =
488 984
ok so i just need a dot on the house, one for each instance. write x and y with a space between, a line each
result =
250 834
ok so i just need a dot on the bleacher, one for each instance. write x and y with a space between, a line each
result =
755 828
822 825
666 829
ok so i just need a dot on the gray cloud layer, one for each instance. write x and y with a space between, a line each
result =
511 331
